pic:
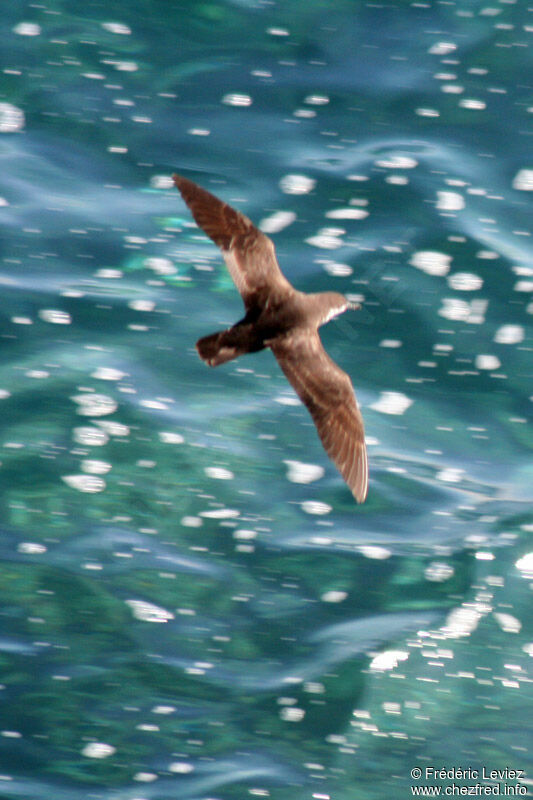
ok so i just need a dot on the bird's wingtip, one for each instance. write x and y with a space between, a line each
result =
360 497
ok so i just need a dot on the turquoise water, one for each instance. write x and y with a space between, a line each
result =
192 606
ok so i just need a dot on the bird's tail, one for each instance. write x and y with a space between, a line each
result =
226 345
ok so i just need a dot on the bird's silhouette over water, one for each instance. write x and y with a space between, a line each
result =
286 320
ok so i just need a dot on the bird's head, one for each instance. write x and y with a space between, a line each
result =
333 304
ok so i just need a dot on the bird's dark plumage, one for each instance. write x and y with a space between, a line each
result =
287 321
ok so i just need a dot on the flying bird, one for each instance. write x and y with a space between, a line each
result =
280 317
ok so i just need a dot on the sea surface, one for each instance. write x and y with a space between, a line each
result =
192 606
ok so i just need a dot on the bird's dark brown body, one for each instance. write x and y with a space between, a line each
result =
286 321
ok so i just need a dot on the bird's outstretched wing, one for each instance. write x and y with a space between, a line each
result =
328 394
249 254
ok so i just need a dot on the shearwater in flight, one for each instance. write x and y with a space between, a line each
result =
287 321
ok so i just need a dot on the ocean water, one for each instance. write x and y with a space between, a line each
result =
192 605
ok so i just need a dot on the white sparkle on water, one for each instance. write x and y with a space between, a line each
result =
277 222
117 27
98 750
148 612
94 405
486 361
509 334
300 472
296 184
523 180
465 282
238 100
55 316
27 29
433 262
219 473
90 484
392 403
90 437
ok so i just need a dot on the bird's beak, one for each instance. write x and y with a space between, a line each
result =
354 306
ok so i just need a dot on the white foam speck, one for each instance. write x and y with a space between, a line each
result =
465 282
334 596
191 522
94 467
388 660
112 427
299 472
277 222
427 112
244 534
117 27
108 374
160 182
199 132
461 621
397 162
168 437
219 473
433 262
452 88
347 213
161 266
525 565
397 180
326 239
375 552
27 29
94 405
90 437
158 405
31 548
315 507
98 750
278 32
487 362
180 767
462 311
292 714
438 572
392 403
288 400
148 612
238 100
442 48
90 484
221 513
523 180
336 269
509 334
141 305
55 316
450 475
523 286
145 777
450 201
507 622
472 105
317 100
296 184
